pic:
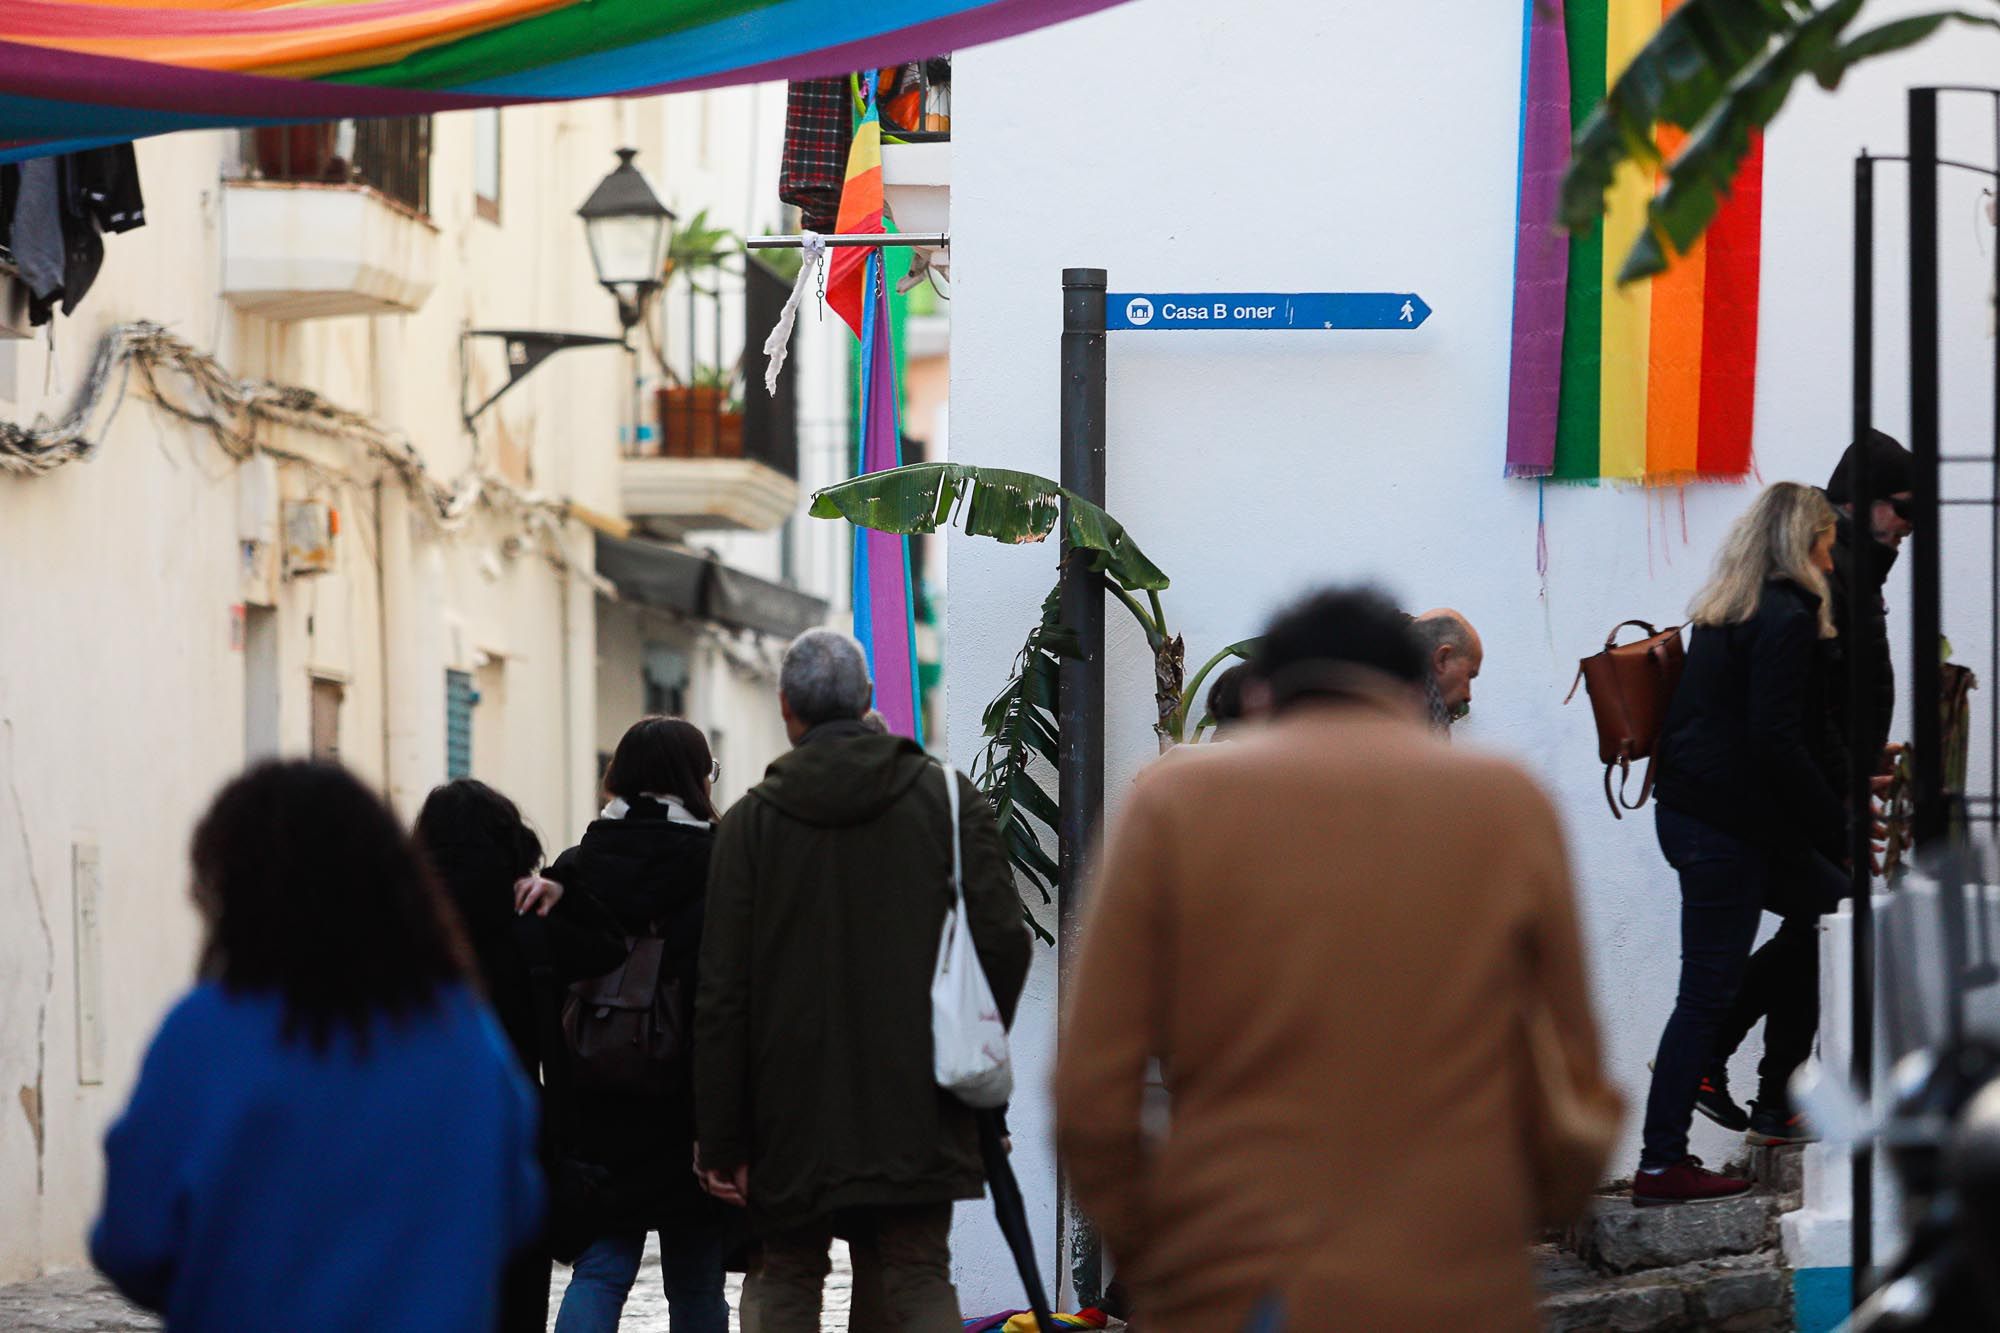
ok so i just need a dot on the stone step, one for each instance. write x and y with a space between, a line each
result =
1620 1237
1736 1294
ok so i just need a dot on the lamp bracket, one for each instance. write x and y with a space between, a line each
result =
527 349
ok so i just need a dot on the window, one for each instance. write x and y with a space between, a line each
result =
666 674
326 697
459 699
486 163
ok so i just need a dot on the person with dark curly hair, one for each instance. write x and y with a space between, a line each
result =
521 927
328 1130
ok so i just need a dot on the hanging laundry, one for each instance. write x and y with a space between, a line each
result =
819 126
53 213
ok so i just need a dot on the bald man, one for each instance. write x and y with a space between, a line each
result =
1453 655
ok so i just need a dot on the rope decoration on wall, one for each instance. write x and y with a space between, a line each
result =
237 414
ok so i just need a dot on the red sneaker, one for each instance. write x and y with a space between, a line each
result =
1686 1181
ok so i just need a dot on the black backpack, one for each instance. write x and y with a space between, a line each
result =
627 1031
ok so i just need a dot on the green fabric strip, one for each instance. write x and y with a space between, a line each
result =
579 29
1583 322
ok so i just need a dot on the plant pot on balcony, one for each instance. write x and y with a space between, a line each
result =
729 435
689 421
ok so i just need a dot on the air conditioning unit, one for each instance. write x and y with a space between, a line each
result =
310 527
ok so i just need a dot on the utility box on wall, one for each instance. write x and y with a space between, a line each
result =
310 527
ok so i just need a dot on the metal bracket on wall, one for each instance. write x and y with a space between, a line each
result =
527 349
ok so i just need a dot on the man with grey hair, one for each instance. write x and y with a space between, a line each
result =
1453 655
815 1103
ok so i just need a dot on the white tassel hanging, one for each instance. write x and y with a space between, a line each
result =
778 345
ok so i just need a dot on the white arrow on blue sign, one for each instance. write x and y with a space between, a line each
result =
1150 311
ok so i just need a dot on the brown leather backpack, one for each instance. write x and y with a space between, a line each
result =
1630 686
627 1030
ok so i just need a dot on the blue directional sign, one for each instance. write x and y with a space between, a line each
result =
1151 311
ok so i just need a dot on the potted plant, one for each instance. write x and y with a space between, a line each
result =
697 246
729 429
690 414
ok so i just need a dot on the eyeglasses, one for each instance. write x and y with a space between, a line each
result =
715 770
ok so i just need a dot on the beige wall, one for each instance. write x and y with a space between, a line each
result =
123 691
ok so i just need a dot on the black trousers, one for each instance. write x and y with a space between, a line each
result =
1781 984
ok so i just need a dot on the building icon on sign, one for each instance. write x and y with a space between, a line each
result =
1139 310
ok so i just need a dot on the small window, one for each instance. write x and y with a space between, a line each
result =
326 697
486 163
459 699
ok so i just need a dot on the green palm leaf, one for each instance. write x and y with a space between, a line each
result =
1008 506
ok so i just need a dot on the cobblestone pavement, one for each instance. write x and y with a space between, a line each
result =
80 1302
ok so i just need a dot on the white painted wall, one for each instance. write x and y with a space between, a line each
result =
1282 145
122 698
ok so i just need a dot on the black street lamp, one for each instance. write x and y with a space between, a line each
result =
628 229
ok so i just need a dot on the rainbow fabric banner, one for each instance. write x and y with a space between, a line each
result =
1653 382
77 74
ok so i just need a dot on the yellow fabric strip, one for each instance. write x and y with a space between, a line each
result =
1628 311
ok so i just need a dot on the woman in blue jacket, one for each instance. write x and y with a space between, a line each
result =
328 1132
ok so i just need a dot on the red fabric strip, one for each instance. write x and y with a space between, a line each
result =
1735 246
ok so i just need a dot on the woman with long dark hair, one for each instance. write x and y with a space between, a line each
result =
645 862
1746 814
485 856
328 1130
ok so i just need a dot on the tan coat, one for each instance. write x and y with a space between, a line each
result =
1330 933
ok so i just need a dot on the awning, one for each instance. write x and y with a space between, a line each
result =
668 578
79 73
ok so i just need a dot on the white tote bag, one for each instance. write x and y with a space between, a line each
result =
968 1038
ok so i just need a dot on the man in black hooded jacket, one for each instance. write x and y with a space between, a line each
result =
1781 984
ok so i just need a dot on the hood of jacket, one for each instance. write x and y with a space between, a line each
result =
842 774
645 866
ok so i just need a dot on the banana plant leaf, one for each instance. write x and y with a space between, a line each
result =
1008 506
1720 70
1020 727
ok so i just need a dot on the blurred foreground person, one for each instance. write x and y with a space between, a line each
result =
1355 955
328 1132
814 1083
1225 700
1750 819
485 855
644 861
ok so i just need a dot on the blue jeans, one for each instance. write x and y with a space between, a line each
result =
690 1263
1724 881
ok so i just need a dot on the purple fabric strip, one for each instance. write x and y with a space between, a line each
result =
71 76
1541 250
891 654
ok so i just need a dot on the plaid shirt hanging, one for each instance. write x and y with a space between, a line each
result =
819 126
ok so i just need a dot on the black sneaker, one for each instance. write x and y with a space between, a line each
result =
1778 1126
1713 1100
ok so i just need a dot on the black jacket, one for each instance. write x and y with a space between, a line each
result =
1746 745
813 1063
580 942
1870 637
650 875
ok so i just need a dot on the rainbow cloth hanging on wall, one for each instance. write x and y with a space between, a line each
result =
1654 382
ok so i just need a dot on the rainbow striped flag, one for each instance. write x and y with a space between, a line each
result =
83 72
860 215
1654 382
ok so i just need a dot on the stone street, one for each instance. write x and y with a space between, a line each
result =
79 1301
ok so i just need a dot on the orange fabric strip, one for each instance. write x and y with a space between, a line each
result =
1673 379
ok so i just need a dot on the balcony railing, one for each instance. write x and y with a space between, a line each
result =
392 156
725 413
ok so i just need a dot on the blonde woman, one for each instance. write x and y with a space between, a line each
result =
1745 807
